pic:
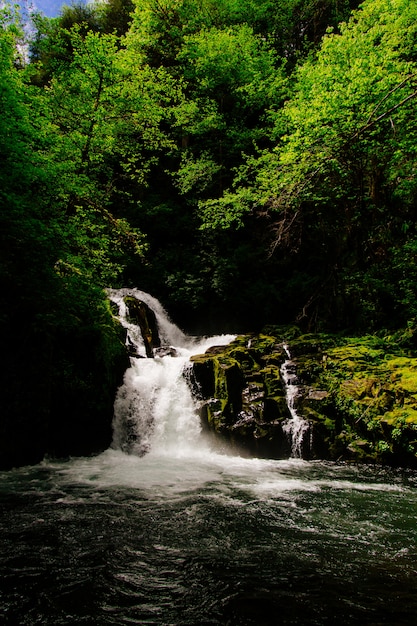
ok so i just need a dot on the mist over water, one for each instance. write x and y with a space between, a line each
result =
172 530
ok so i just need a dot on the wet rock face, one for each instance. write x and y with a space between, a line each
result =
141 314
165 351
242 395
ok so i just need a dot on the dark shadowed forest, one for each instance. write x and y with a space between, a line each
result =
247 163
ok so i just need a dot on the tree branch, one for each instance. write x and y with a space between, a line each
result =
371 123
388 95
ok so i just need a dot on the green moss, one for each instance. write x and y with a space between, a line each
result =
360 394
261 345
243 357
358 388
404 373
311 414
272 381
399 362
329 424
354 358
400 416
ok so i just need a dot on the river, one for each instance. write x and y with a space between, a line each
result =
169 528
207 539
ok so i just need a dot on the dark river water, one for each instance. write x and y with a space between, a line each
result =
207 539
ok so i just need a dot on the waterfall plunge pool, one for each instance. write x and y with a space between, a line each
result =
207 539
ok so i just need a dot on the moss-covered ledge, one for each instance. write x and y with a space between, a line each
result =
373 386
358 393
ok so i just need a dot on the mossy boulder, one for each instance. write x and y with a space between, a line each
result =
242 393
374 393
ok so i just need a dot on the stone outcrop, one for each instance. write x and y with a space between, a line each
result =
358 394
242 395
141 314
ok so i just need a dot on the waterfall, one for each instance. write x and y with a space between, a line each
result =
154 410
169 333
296 427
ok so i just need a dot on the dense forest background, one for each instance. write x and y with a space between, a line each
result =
246 163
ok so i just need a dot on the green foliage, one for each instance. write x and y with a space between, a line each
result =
340 182
229 62
359 88
235 75
115 15
248 163
62 352
290 26
199 109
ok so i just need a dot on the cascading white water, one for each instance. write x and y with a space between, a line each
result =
169 333
154 410
296 427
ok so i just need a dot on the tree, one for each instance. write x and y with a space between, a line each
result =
115 16
338 187
291 27
61 349
107 111
231 78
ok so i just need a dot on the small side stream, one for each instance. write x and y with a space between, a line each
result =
297 428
